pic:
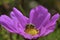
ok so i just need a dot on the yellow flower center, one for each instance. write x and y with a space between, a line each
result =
31 30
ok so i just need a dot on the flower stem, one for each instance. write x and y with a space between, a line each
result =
17 37
11 37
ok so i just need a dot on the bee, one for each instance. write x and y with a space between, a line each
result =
29 26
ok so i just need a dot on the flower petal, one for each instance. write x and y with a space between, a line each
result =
16 22
45 21
46 30
21 18
37 15
7 23
19 27
53 20
49 30
55 17
50 25
25 35
42 31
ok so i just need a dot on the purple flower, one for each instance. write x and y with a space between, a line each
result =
39 24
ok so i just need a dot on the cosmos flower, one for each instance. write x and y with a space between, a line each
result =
39 24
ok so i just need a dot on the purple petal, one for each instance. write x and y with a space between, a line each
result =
16 22
45 21
49 30
21 18
18 26
7 23
50 26
55 17
25 35
53 20
35 37
37 15
42 31
46 30
29 36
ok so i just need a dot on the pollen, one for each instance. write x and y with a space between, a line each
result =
31 30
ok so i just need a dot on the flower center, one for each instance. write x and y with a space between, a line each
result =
31 30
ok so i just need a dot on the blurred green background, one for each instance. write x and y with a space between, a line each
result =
25 6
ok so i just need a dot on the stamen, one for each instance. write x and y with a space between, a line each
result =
31 30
